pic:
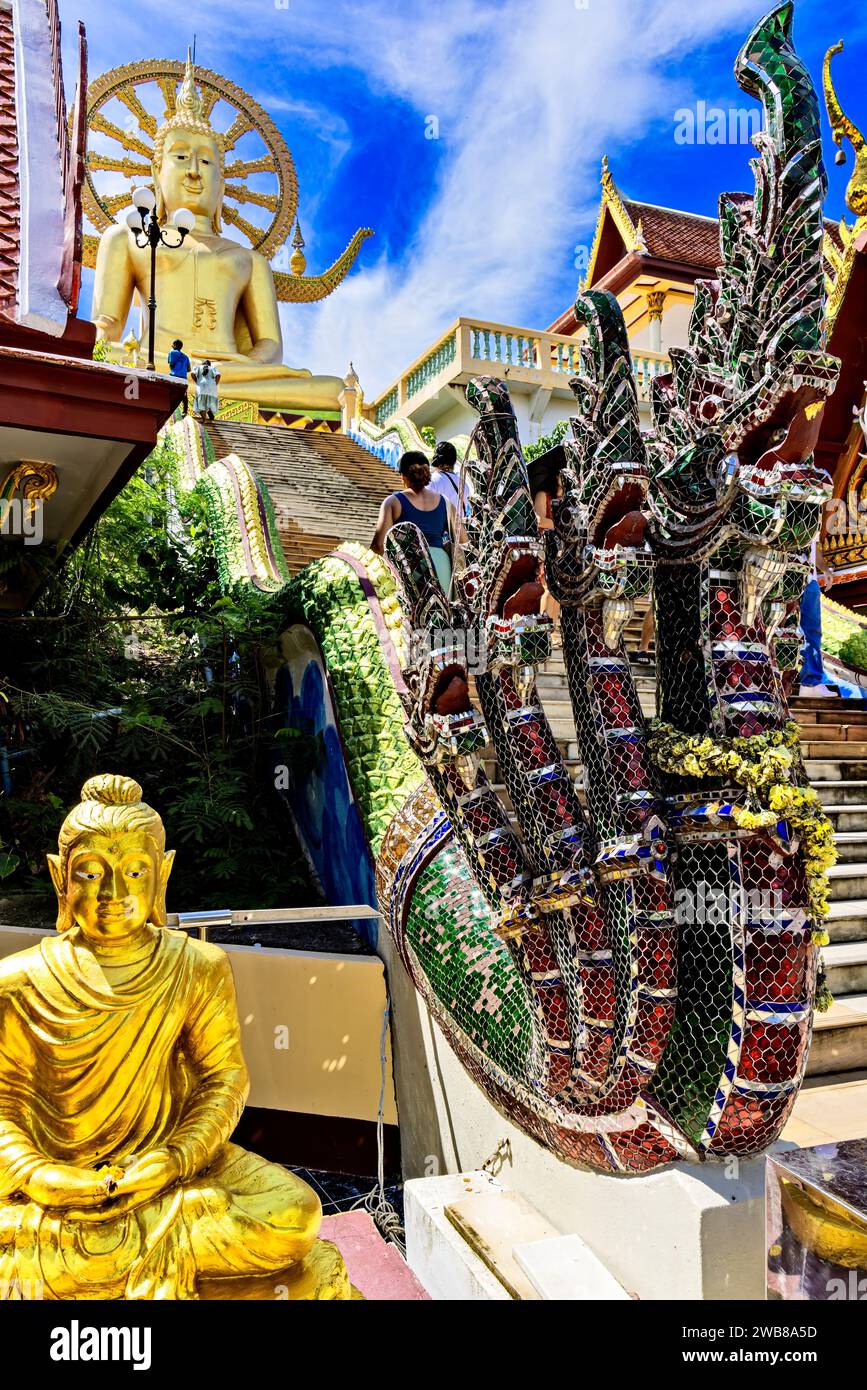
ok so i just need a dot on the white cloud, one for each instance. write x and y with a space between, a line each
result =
526 107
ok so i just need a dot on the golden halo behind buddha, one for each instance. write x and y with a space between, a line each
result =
189 96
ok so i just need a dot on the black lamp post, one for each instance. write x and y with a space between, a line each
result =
142 222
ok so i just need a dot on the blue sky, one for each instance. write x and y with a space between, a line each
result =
527 95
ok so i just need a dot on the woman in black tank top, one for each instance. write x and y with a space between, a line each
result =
426 509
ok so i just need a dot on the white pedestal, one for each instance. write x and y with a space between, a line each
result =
436 1253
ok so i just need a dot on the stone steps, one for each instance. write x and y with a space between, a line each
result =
848 881
851 845
847 920
837 794
324 487
846 966
840 1037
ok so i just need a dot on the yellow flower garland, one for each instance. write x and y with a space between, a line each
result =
763 764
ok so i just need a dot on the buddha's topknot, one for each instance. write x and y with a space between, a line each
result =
111 789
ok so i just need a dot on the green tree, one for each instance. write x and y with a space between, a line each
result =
546 441
134 661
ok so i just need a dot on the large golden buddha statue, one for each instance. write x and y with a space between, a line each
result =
214 294
121 1081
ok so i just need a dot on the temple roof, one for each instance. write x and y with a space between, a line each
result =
633 239
682 237
644 237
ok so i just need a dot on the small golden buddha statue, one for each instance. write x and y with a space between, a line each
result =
121 1081
217 296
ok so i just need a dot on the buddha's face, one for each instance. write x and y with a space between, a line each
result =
189 173
112 883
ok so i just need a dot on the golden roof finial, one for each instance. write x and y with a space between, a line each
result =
842 127
298 260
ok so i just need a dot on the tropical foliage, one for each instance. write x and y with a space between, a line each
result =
134 660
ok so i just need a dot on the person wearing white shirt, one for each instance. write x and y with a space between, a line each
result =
445 477
206 377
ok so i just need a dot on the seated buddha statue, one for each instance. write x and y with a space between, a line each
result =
121 1081
214 294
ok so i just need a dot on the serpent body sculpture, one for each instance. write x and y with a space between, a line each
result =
627 969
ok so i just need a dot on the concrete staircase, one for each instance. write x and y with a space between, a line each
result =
324 487
834 744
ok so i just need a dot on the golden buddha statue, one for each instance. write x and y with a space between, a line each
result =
217 296
121 1081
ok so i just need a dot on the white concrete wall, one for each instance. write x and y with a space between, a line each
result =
311 1024
460 419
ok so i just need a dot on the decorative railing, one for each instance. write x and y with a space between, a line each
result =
517 348
646 366
525 355
386 406
442 356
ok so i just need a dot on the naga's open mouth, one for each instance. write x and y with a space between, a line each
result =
620 520
519 593
451 693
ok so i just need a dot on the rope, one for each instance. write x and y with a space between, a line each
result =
385 1217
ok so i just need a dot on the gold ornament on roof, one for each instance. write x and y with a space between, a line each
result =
842 128
842 260
298 260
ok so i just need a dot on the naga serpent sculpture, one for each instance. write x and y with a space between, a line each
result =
547 930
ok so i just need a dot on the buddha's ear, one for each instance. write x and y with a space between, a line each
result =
159 908
56 874
216 220
64 916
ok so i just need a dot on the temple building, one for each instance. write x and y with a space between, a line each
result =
73 430
650 258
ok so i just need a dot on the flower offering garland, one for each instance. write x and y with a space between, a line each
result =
763 764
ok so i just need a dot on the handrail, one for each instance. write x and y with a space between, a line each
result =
227 917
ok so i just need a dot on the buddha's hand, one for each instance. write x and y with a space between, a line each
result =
146 1174
65 1185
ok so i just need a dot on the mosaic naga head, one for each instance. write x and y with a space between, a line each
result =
596 553
647 932
736 421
